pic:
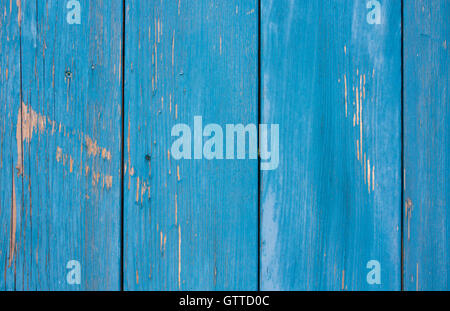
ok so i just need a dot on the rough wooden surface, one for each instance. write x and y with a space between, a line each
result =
189 224
426 142
333 83
330 76
60 138
10 183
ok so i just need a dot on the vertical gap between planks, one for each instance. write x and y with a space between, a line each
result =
259 157
122 153
402 168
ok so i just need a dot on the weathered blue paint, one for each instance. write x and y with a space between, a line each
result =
60 161
333 83
426 142
330 76
10 183
189 224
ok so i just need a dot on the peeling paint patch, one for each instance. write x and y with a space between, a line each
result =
58 154
108 181
359 95
29 122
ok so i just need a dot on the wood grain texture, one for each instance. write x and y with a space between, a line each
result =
60 170
10 183
426 142
331 80
189 224
333 83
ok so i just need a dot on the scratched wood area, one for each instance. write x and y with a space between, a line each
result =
333 83
60 145
426 142
91 199
189 224
10 183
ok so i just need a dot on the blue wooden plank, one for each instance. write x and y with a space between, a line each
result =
331 77
189 224
10 182
426 142
65 140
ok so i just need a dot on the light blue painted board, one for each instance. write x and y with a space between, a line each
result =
333 83
189 224
426 142
10 183
68 154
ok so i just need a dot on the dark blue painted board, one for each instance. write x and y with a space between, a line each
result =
426 142
189 224
333 83
61 148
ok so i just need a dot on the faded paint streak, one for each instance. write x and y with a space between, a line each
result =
357 106
173 47
357 148
71 164
19 12
373 178
137 190
12 236
345 86
179 256
176 209
408 214
360 127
